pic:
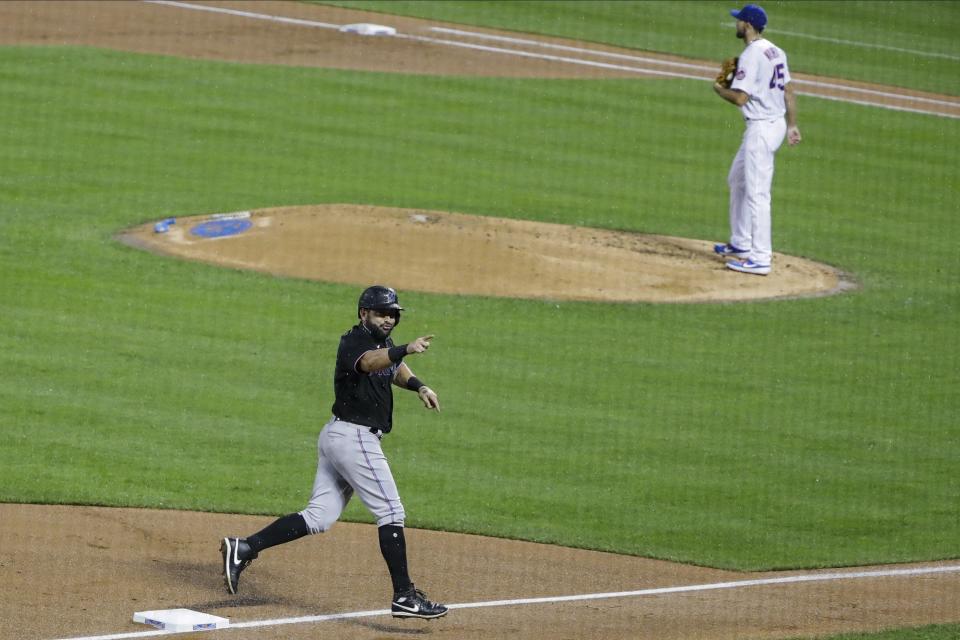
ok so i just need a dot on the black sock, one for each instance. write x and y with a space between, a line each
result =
393 546
286 529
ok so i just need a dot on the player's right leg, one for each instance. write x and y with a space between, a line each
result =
740 239
238 553
237 556
740 228
331 490
327 501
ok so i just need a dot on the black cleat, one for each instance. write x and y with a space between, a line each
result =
413 603
237 555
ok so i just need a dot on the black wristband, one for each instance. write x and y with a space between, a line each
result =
396 353
414 384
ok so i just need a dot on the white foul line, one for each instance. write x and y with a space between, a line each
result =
737 584
714 586
563 47
545 56
579 61
671 63
245 14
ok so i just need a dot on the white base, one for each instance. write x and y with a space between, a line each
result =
180 620
367 29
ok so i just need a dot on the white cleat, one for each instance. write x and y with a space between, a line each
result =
749 266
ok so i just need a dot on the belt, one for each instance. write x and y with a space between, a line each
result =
374 430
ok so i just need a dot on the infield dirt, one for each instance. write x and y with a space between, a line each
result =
78 571
484 255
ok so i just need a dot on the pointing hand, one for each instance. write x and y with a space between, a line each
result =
419 345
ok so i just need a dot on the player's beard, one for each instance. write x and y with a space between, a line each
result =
378 334
741 33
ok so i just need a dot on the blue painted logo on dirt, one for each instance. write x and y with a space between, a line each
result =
164 225
220 228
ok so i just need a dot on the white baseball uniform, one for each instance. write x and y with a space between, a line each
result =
762 73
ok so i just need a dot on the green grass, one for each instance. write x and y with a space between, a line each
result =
908 44
837 449
808 433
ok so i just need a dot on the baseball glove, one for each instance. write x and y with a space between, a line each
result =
727 71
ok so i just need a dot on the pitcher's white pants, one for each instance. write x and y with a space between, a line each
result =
750 180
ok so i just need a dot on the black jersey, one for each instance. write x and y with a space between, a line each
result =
362 398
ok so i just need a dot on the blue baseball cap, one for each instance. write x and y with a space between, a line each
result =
752 14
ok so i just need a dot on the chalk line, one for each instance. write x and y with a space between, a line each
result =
583 62
517 602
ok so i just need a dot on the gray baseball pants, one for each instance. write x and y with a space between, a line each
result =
350 459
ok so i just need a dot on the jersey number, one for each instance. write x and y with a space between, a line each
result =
776 80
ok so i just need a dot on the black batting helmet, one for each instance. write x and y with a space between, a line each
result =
379 298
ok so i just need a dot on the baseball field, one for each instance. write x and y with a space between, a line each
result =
780 466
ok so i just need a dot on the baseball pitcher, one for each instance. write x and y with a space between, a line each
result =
758 82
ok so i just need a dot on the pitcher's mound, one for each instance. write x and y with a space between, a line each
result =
452 253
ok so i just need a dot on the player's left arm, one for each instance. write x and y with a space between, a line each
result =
403 377
790 101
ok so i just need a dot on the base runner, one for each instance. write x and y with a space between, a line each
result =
350 459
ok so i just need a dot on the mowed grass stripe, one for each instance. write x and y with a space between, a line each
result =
749 436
